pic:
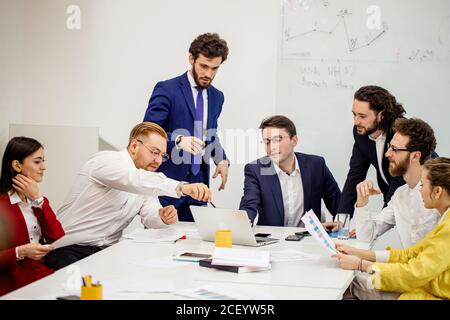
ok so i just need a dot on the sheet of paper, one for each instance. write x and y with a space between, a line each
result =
68 240
293 255
315 228
223 291
241 257
115 287
193 234
159 263
168 235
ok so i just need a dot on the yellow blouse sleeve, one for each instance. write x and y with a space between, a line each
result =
415 266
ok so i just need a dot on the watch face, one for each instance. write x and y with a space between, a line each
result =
37 202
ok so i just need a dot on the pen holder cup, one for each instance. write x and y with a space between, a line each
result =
94 292
224 238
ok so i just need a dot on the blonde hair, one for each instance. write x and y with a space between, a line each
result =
145 129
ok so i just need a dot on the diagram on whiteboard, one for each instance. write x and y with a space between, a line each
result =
320 30
352 42
359 31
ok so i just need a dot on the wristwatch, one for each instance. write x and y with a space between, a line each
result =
180 188
37 202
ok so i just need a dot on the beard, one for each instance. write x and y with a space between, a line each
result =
400 169
370 130
197 79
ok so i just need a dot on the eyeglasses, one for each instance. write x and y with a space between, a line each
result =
156 153
274 140
395 149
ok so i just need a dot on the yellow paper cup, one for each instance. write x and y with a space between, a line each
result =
95 292
224 239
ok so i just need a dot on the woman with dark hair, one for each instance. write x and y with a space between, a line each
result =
31 221
421 271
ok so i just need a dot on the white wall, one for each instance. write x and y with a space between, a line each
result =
102 75
11 65
66 150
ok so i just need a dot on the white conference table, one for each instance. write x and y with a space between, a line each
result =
122 263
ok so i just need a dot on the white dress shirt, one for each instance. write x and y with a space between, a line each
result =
405 210
293 198
32 223
108 193
379 145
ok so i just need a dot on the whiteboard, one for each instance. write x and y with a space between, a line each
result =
329 49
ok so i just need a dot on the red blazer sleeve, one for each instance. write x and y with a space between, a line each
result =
50 226
8 258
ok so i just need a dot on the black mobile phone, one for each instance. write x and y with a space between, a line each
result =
294 237
302 233
262 235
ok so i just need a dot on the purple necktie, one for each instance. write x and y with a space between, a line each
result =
198 131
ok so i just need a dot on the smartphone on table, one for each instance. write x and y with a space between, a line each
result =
294 237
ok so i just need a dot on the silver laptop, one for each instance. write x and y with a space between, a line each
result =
208 220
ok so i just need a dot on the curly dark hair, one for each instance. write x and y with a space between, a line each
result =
421 136
210 45
380 100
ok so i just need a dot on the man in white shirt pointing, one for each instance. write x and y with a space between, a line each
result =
112 188
412 144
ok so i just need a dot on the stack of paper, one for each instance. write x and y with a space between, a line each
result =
241 257
167 235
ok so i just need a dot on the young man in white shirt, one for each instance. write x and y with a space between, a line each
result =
112 188
412 144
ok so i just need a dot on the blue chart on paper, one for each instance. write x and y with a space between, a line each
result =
335 235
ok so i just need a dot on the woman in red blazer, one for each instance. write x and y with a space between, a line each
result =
30 223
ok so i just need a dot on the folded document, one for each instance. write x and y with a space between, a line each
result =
164 235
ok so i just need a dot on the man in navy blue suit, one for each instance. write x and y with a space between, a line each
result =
281 187
374 112
188 108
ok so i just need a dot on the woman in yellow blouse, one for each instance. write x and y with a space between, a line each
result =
421 271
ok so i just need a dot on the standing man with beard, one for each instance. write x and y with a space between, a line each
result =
188 108
374 112
412 144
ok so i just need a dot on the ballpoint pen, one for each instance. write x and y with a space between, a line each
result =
212 204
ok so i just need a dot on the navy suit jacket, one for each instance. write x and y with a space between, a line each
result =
364 154
262 192
172 106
